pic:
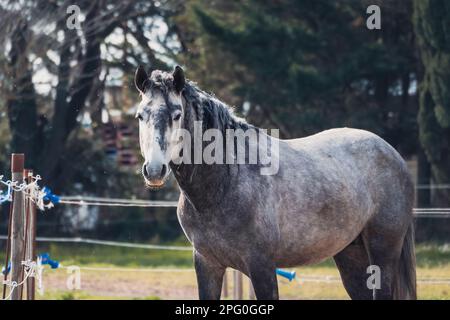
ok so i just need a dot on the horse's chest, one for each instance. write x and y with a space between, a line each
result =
220 238
204 232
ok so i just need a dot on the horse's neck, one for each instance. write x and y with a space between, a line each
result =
203 185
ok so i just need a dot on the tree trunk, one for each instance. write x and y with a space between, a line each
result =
68 105
21 104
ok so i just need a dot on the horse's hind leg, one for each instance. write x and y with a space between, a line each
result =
384 247
352 263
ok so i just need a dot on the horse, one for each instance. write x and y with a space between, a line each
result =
342 193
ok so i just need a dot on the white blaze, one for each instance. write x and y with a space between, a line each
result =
149 139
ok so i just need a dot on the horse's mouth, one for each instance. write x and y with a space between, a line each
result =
155 184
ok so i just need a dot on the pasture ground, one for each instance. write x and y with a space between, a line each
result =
140 274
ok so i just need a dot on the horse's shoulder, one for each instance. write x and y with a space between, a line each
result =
184 206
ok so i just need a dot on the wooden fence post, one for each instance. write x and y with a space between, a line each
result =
18 218
237 290
8 247
30 253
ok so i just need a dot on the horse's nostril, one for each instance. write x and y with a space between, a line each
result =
154 172
145 171
163 170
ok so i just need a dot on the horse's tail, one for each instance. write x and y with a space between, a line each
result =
405 284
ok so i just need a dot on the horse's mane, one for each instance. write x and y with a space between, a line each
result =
213 112
208 109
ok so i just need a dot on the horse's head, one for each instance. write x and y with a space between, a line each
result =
160 114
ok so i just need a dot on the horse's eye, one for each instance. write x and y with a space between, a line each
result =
139 116
177 117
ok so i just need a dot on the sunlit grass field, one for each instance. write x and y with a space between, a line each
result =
149 274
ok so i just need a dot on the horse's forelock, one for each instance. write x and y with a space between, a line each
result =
162 80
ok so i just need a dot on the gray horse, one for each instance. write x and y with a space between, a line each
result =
342 193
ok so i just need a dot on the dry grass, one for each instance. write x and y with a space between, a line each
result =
126 282
182 285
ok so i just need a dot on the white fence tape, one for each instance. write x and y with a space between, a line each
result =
110 243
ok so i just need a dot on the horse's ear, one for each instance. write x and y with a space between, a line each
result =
178 79
139 78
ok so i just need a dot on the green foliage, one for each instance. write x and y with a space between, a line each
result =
432 255
432 26
306 66
428 255
85 254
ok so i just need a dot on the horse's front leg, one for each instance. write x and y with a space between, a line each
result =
264 279
209 277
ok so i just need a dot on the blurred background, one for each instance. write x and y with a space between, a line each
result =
67 98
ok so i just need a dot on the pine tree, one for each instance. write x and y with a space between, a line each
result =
308 65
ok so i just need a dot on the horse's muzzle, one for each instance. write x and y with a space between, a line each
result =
154 174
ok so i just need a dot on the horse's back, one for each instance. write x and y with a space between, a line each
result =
354 157
339 181
336 139
350 149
